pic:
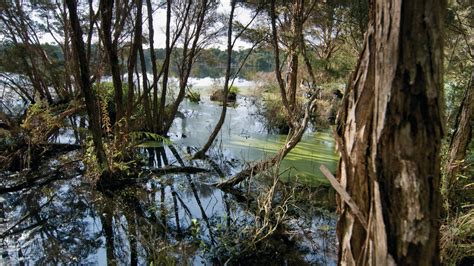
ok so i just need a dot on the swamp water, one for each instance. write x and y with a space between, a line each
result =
176 219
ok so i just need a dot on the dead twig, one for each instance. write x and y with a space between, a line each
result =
345 196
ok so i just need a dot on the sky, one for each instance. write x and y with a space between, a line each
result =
241 14
159 21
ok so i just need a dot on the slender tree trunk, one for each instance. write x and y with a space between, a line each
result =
460 139
293 139
288 95
106 10
212 137
188 61
389 134
276 50
146 98
132 60
166 65
293 54
154 86
85 84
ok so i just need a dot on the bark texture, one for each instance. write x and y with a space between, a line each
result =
389 134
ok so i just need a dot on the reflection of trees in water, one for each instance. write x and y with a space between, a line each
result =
59 231
166 221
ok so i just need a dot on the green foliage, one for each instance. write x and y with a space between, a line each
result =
454 88
104 91
272 113
52 73
139 138
234 89
342 63
93 171
39 121
193 96
210 63
457 230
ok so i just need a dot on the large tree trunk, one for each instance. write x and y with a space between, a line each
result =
389 134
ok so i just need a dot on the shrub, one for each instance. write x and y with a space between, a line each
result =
234 90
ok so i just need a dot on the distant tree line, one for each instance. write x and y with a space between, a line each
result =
210 62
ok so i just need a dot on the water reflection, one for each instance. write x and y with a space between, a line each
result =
171 219
243 137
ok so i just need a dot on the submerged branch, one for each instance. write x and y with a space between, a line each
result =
175 169
37 181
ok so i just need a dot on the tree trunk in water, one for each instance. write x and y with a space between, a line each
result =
187 62
145 95
389 134
154 86
200 154
287 93
86 86
460 140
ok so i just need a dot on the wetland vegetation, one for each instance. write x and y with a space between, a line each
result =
232 132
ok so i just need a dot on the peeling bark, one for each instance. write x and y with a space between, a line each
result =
389 134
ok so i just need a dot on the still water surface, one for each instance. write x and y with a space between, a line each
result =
172 219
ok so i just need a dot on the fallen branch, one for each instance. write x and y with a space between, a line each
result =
293 138
345 196
28 184
61 116
176 169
